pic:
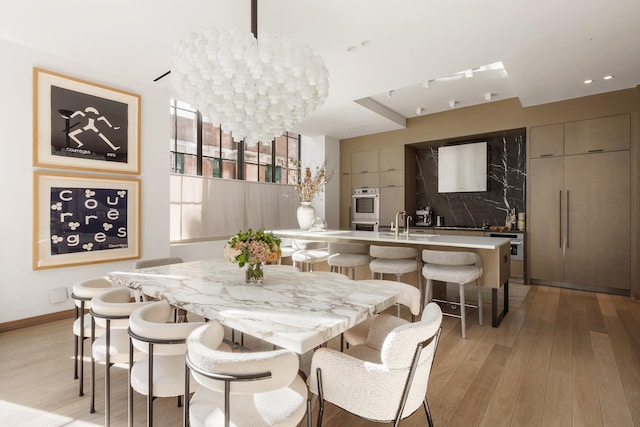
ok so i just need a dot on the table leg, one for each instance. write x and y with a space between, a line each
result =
496 318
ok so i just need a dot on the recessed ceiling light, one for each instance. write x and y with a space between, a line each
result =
365 43
609 77
588 81
351 48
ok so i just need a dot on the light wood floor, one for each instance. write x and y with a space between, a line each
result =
565 358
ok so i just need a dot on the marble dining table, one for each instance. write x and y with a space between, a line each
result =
295 310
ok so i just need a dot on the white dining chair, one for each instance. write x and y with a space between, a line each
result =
386 378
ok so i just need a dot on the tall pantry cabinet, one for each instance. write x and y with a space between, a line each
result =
580 204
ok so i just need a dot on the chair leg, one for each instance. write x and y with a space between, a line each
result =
429 292
75 349
480 315
463 320
428 412
80 354
398 305
320 397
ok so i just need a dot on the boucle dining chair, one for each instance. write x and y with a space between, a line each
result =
254 389
111 310
82 293
347 256
409 296
386 378
155 262
460 268
160 372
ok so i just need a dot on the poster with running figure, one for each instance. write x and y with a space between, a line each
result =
89 127
83 125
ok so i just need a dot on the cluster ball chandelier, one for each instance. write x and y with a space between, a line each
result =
253 89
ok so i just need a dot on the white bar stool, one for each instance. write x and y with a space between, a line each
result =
347 255
309 254
454 267
394 260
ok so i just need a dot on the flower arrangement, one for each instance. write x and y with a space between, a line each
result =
253 248
311 183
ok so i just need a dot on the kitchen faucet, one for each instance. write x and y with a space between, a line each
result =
406 230
398 215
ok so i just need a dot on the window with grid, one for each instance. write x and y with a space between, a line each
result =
200 148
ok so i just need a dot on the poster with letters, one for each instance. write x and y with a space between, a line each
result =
83 219
83 125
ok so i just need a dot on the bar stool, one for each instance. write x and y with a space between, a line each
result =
394 260
454 267
309 253
347 255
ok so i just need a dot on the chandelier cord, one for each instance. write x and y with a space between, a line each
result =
254 18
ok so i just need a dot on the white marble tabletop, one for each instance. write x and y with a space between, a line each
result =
290 309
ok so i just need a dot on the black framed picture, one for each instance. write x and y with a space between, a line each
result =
85 126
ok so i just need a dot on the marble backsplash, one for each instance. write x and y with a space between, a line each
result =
506 184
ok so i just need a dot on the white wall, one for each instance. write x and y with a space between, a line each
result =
316 150
24 292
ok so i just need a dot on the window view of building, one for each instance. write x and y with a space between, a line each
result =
200 148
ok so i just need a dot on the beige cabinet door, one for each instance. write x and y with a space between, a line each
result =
365 180
598 210
392 159
392 178
345 164
545 219
345 202
391 201
364 161
595 135
546 141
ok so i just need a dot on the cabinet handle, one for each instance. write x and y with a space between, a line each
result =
567 219
599 150
392 169
546 155
560 217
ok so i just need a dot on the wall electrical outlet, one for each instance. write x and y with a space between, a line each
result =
58 295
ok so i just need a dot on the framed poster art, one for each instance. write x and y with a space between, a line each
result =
82 219
85 126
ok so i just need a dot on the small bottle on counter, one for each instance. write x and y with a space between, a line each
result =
521 221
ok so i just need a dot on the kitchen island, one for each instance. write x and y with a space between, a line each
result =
494 252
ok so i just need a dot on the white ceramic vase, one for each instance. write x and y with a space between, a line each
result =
306 214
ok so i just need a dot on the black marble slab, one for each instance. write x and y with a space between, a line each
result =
506 184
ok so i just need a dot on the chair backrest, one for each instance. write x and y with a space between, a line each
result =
451 258
152 323
154 262
348 248
395 353
116 304
89 288
207 363
409 295
392 252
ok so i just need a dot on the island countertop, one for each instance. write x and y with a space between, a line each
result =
386 237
